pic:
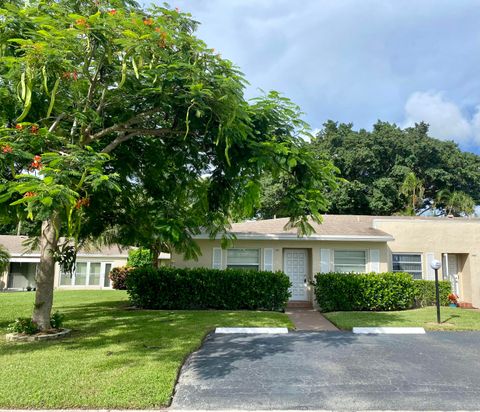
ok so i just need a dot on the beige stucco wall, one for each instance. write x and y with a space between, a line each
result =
440 236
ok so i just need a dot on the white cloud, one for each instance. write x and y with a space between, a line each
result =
446 120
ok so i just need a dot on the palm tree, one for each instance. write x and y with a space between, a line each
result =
412 188
460 204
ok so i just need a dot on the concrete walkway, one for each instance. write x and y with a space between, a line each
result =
310 319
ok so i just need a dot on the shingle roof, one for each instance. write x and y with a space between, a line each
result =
332 225
15 246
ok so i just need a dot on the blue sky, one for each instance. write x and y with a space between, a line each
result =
356 61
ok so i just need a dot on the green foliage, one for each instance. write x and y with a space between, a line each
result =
202 288
424 292
23 325
4 258
139 257
371 291
118 276
56 320
376 163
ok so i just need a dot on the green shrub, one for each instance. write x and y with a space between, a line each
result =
139 257
370 291
23 325
425 292
118 276
202 288
56 320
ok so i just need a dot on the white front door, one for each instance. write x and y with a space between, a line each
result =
295 266
450 264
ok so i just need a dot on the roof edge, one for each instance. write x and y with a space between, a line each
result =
335 238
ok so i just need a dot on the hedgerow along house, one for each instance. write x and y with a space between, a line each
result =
345 243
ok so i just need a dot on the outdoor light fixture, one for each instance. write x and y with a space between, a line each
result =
435 265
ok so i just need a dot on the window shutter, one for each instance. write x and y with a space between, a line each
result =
217 258
268 259
325 260
375 260
430 271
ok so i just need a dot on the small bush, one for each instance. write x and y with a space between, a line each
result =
118 277
56 321
425 293
203 288
139 258
23 325
371 291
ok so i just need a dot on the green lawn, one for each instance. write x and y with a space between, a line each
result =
115 358
451 319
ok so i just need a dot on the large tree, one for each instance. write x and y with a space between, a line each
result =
114 116
375 164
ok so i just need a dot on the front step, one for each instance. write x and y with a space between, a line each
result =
299 304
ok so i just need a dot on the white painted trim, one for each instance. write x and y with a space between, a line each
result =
268 259
217 258
80 255
374 260
429 272
270 331
325 260
292 236
388 330
24 260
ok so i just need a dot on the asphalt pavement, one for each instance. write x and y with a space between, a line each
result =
333 371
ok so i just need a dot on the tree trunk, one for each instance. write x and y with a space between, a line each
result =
154 253
46 273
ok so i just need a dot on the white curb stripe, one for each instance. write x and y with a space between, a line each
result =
390 330
252 330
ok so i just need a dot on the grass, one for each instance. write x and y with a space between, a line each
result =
115 357
451 319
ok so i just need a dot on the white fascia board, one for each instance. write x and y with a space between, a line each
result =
25 259
337 238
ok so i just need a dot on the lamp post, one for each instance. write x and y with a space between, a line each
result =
435 265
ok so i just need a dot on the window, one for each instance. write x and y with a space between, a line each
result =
350 261
80 274
243 259
87 274
410 263
94 278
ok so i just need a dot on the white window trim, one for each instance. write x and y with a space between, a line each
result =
410 253
258 266
351 250
87 280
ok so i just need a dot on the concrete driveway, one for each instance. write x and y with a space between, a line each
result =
333 370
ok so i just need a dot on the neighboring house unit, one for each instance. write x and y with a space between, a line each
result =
91 270
345 243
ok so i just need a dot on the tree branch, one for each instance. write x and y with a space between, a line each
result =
122 127
129 133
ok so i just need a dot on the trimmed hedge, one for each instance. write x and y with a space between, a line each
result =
376 291
425 292
371 291
203 288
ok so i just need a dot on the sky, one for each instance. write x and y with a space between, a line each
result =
357 61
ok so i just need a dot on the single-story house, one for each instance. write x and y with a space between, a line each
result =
347 243
91 270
